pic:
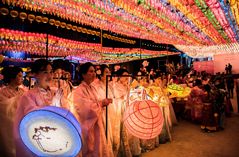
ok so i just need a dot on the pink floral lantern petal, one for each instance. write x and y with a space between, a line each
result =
144 119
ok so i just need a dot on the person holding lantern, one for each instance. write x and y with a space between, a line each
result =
130 145
100 84
40 96
90 111
8 104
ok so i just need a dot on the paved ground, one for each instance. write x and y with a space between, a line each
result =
190 141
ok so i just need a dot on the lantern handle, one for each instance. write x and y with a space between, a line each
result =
143 94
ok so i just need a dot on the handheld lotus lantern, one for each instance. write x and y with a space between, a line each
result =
178 91
51 131
143 119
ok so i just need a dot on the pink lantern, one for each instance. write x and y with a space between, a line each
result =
143 119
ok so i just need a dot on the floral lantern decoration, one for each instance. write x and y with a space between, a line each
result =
178 91
143 119
51 131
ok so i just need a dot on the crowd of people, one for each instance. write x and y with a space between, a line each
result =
52 86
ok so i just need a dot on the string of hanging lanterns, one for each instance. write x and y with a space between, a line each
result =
35 43
209 51
223 24
57 23
152 14
192 11
197 24
234 7
230 18
208 13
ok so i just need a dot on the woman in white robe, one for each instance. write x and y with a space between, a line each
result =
36 98
130 145
9 96
113 136
90 109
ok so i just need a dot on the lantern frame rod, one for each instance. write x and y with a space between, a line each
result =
47 46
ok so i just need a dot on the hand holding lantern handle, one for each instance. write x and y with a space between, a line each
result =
106 102
56 101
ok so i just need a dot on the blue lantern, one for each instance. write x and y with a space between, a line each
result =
51 131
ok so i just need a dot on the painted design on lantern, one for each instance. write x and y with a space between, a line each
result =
43 135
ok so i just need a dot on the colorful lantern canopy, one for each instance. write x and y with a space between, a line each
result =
35 43
51 131
143 119
198 23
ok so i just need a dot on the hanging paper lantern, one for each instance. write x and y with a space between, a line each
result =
51 21
74 28
44 19
4 11
51 131
63 24
143 119
1 58
14 13
38 19
68 26
23 16
31 18
57 23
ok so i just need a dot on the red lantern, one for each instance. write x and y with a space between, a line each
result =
144 119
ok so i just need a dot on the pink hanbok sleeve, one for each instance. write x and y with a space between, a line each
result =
87 108
7 117
28 102
89 112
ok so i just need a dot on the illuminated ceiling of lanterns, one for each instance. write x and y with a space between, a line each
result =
199 28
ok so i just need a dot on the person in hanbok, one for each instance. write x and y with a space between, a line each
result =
130 145
40 96
67 77
89 110
195 103
209 122
9 96
113 131
58 80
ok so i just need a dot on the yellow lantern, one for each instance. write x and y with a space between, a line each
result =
68 26
51 21
79 29
57 23
31 18
4 11
14 13
1 58
63 25
74 28
44 19
38 19
23 16
84 30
